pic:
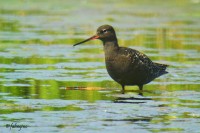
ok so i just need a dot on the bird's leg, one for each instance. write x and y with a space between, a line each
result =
141 87
123 86
141 92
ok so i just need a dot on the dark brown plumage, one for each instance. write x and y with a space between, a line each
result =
125 65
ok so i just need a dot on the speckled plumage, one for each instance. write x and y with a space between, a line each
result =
125 65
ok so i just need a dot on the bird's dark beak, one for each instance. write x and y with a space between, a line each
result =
91 38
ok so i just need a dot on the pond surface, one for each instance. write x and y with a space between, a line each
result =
48 85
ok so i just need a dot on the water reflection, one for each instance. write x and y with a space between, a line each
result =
133 100
131 120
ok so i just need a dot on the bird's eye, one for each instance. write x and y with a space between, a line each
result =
104 31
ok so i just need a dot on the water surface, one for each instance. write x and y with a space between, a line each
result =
51 86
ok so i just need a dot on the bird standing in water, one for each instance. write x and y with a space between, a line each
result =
125 65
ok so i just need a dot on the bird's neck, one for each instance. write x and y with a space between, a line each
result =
110 47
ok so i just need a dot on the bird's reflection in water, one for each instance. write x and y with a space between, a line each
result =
136 99
145 119
132 100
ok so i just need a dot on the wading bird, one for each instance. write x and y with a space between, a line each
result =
125 65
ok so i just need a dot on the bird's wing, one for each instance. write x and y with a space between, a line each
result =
143 63
138 63
136 57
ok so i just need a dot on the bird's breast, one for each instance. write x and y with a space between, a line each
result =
116 65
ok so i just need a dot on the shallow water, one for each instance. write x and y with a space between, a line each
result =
51 86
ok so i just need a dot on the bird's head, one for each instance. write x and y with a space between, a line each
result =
104 33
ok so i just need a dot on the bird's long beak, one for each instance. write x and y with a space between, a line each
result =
91 38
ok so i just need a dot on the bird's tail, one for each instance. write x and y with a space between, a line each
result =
162 68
